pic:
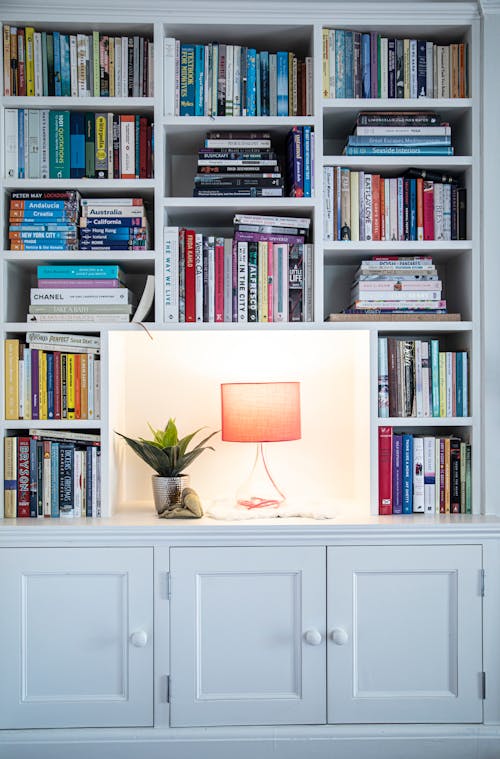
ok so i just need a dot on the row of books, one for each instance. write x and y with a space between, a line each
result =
371 65
61 220
52 474
396 285
49 144
423 473
253 277
218 79
418 133
362 206
416 379
50 378
45 64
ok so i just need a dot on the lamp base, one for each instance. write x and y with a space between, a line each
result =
259 490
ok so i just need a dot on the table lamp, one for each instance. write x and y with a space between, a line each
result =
260 412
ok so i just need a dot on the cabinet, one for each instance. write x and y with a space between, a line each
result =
77 629
396 637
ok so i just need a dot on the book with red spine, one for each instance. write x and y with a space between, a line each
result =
143 147
428 208
385 470
219 279
190 276
23 477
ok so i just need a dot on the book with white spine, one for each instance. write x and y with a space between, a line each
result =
171 274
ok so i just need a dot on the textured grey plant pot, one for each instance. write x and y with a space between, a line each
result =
167 492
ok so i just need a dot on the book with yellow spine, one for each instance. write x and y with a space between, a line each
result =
30 60
12 378
10 477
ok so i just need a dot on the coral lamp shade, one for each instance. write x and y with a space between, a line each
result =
260 412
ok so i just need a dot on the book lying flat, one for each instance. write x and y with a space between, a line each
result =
394 317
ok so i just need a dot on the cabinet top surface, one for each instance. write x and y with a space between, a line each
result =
144 526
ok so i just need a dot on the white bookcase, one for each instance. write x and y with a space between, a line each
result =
176 141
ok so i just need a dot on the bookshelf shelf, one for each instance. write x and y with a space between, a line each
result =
396 164
137 105
428 422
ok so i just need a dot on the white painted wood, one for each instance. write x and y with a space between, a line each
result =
412 620
67 658
238 652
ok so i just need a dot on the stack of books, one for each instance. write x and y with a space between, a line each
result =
48 144
394 285
238 164
52 474
234 80
52 376
423 473
300 162
371 65
399 133
263 274
417 379
114 224
421 205
75 65
44 220
80 293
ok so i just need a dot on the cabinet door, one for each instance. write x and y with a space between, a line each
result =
247 636
75 628
404 628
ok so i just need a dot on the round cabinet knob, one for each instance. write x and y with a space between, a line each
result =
313 637
139 638
339 636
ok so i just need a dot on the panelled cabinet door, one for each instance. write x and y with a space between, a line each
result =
247 636
76 627
404 634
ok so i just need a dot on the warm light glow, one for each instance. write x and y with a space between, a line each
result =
260 412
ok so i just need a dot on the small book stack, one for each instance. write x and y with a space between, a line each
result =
45 220
388 285
80 293
52 376
299 162
238 164
51 473
114 224
399 133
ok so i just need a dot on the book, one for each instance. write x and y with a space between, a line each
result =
384 470
146 302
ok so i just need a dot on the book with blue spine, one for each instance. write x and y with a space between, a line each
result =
57 64
77 144
435 377
282 82
187 76
295 162
365 65
381 150
340 83
465 385
397 474
413 209
59 145
421 68
348 63
258 82
67 271
251 82
407 474
397 140
199 80
264 83
307 167
65 66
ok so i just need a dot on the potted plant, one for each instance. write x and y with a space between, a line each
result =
169 457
